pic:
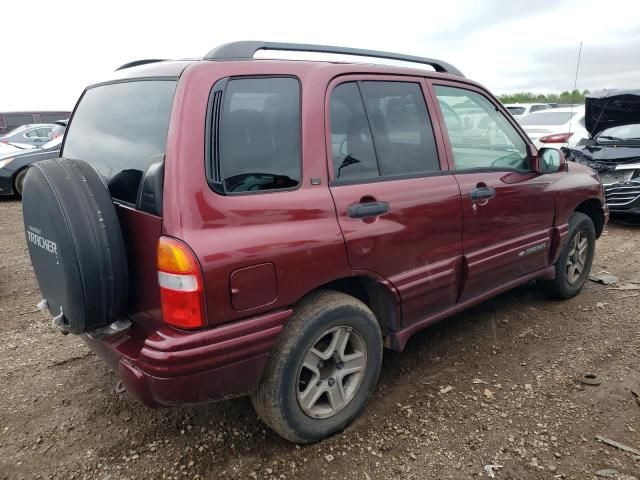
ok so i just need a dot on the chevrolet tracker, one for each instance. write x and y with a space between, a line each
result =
238 226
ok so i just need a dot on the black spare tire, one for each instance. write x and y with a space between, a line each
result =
75 244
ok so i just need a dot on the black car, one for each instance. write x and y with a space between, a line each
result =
13 167
613 121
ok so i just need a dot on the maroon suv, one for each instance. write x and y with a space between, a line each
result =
233 226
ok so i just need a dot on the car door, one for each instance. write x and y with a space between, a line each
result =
397 204
507 209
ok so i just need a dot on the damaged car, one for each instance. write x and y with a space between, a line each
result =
613 149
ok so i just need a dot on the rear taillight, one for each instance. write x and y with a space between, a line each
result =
556 138
181 286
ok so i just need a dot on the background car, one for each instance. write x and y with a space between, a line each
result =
556 128
33 134
519 110
13 166
11 120
613 149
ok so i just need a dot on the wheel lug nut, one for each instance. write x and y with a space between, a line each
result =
339 365
331 382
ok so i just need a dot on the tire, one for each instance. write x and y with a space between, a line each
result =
284 399
569 282
18 183
75 244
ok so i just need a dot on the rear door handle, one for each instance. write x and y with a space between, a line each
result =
368 209
483 193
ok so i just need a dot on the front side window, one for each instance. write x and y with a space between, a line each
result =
260 144
480 136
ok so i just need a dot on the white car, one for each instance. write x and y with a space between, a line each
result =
519 110
556 128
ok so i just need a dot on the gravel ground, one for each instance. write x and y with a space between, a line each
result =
496 385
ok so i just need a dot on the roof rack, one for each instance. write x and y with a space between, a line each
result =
137 63
245 50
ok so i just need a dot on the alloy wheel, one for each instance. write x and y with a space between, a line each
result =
577 258
331 372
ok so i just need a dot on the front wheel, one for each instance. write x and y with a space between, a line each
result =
574 264
323 369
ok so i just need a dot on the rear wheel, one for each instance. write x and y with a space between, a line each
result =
576 258
323 369
18 183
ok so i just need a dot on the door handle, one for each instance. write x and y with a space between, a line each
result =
482 193
368 209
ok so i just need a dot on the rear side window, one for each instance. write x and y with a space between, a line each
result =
402 130
259 135
380 129
121 129
354 156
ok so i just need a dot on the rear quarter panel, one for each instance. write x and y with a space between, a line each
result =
296 231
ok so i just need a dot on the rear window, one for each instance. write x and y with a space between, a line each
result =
548 118
516 110
53 117
121 129
16 120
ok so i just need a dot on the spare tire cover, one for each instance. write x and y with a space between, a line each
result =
75 243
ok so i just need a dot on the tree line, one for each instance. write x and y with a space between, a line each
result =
576 96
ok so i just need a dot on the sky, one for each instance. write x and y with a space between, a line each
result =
57 48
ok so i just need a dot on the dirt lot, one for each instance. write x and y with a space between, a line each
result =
493 386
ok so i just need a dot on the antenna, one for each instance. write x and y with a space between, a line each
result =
573 92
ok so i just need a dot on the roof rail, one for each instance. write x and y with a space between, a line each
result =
136 63
245 50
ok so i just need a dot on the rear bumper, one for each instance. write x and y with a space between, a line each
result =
169 367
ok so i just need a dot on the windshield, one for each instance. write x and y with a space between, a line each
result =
548 118
121 129
516 110
623 132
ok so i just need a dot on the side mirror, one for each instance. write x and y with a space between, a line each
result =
549 160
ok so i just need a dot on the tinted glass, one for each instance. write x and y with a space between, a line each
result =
537 108
260 134
31 133
516 110
354 156
402 132
121 129
52 117
547 118
15 120
480 136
